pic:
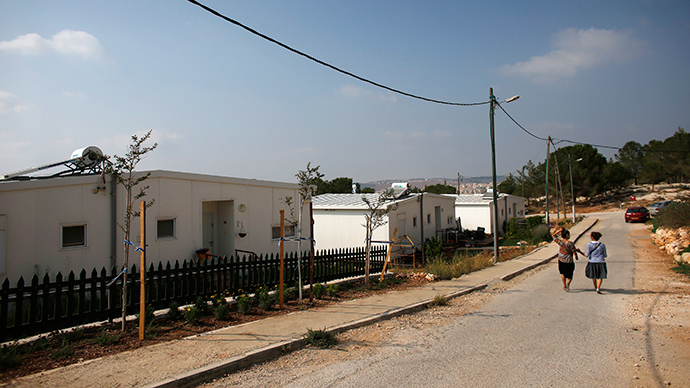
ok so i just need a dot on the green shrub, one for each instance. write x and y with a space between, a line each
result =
332 290
673 216
265 300
534 221
244 304
515 231
192 315
290 293
9 357
106 339
540 233
433 247
174 312
201 305
321 338
319 290
222 313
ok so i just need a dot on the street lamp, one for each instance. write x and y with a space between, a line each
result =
493 102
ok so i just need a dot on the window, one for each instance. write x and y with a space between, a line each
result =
73 236
414 222
166 228
288 230
428 218
450 220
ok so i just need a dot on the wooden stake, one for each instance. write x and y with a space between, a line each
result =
142 271
282 257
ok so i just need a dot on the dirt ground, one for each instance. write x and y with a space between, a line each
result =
660 312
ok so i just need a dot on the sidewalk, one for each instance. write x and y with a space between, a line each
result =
193 360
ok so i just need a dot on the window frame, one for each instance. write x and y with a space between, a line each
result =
285 233
174 228
85 234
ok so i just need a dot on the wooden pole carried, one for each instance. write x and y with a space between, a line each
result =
142 271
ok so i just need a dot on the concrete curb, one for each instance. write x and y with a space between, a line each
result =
270 352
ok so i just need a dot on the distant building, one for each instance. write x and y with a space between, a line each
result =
476 210
70 223
339 218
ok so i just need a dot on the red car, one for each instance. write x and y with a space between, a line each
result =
636 213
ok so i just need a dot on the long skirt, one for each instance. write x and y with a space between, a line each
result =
566 269
596 271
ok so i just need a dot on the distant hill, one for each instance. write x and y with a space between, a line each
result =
467 184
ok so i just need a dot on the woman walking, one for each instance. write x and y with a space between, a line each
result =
566 253
596 265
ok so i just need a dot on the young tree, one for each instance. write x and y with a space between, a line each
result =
122 168
308 181
375 217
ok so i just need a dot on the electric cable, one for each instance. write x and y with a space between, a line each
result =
285 46
520 126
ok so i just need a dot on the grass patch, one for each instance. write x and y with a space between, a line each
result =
459 265
682 269
439 300
106 338
9 357
321 338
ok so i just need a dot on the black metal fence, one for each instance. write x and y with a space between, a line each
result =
47 305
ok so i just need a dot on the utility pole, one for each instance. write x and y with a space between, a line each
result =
492 99
572 190
546 203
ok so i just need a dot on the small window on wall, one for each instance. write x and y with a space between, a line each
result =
73 236
165 229
414 222
450 220
428 218
289 231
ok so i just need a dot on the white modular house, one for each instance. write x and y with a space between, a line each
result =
339 219
71 223
476 210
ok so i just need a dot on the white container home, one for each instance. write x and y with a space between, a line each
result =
339 219
476 210
71 223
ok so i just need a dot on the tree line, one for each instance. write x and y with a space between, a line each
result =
657 161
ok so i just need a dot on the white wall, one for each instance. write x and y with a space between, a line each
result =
34 212
342 228
473 216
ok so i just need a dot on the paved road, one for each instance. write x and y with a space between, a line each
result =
532 335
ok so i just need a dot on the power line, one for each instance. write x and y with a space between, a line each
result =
283 45
552 139
520 126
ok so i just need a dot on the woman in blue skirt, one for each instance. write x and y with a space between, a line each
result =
596 265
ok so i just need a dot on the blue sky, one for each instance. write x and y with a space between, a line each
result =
223 101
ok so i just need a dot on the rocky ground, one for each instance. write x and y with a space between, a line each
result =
658 312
